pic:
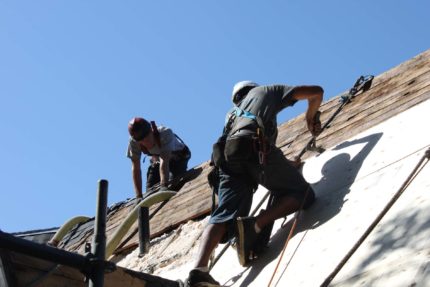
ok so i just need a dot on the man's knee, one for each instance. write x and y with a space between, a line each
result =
304 198
309 198
152 175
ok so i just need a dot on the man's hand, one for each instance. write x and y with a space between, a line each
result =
314 124
164 167
296 162
314 95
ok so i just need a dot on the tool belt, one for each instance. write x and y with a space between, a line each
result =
218 158
248 149
241 149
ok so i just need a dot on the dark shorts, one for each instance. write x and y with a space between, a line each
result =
238 180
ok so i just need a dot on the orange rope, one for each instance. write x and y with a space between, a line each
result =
293 227
285 246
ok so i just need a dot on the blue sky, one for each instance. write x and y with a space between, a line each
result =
72 74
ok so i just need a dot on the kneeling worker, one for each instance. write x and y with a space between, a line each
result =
169 154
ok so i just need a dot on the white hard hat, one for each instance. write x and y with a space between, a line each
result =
238 87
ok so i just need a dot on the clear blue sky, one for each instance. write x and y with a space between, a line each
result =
72 74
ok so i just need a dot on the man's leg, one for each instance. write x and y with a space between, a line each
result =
282 207
199 276
234 199
288 187
152 175
178 166
210 239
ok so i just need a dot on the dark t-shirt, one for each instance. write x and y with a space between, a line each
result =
265 102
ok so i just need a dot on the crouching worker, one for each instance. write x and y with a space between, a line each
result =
168 152
246 156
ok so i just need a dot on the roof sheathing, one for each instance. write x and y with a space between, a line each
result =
353 182
391 93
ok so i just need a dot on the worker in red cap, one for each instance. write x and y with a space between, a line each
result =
169 154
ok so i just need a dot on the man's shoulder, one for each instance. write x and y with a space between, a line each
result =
267 90
163 129
133 151
278 87
168 138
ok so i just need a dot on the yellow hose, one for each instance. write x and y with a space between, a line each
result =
132 217
65 228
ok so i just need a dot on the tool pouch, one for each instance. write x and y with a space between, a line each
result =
213 178
218 157
240 149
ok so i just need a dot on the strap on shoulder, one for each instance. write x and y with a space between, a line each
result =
238 112
156 133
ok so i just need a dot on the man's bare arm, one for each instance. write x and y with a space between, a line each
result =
164 168
137 177
314 95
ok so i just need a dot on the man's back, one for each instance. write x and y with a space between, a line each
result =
264 102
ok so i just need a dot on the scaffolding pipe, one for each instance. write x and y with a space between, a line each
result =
144 231
59 256
99 242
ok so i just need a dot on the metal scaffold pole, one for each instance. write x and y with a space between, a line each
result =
99 242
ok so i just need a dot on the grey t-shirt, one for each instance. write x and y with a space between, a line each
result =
265 102
168 141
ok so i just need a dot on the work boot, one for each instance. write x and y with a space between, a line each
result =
246 238
198 278
262 239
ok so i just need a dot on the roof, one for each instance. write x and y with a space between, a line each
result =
39 236
372 146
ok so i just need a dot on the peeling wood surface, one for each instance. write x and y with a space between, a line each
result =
391 93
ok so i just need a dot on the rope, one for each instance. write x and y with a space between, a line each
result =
363 83
421 164
293 227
